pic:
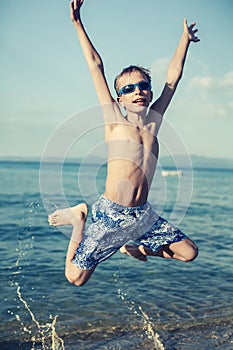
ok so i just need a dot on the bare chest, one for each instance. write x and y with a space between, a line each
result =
133 143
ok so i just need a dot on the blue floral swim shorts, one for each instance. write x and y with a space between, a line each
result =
113 225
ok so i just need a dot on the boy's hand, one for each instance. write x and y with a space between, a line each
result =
75 10
191 31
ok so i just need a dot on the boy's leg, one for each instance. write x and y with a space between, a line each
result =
173 243
185 250
75 216
136 251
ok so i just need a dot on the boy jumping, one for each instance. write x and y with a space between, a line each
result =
123 214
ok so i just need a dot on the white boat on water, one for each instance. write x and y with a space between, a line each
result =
172 173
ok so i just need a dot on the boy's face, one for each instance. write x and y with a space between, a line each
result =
138 100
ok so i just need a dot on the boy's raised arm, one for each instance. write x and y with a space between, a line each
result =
175 69
92 57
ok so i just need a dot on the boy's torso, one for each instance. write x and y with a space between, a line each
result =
132 158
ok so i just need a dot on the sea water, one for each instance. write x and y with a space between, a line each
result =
127 304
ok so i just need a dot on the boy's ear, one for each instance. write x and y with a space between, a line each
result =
119 100
151 96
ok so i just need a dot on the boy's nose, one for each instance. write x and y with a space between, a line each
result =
137 90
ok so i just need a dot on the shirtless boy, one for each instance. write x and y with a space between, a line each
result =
123 214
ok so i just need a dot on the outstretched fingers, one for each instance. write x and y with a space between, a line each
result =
75 6
191 31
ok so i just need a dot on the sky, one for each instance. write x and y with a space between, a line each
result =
45 80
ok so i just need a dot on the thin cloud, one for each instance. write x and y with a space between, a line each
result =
213 84
213 95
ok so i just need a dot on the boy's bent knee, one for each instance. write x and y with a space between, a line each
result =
192 254
77 281
79 278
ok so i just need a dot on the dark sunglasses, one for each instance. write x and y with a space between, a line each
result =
127 89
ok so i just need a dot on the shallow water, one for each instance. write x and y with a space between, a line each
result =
127 304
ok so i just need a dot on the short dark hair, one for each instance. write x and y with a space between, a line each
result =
130 69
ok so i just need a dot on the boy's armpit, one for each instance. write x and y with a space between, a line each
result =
112 114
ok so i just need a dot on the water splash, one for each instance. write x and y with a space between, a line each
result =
137 310
46 336
42 336
150 329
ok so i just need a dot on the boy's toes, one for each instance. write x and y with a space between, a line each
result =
51 220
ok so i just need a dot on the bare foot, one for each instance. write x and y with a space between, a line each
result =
134 251
68 216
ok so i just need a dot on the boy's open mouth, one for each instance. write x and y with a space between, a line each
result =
140 101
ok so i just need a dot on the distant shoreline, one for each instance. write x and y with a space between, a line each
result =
166 163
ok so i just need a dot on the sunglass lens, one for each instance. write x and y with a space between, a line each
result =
144 85
128 89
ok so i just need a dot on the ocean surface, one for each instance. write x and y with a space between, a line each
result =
127 304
